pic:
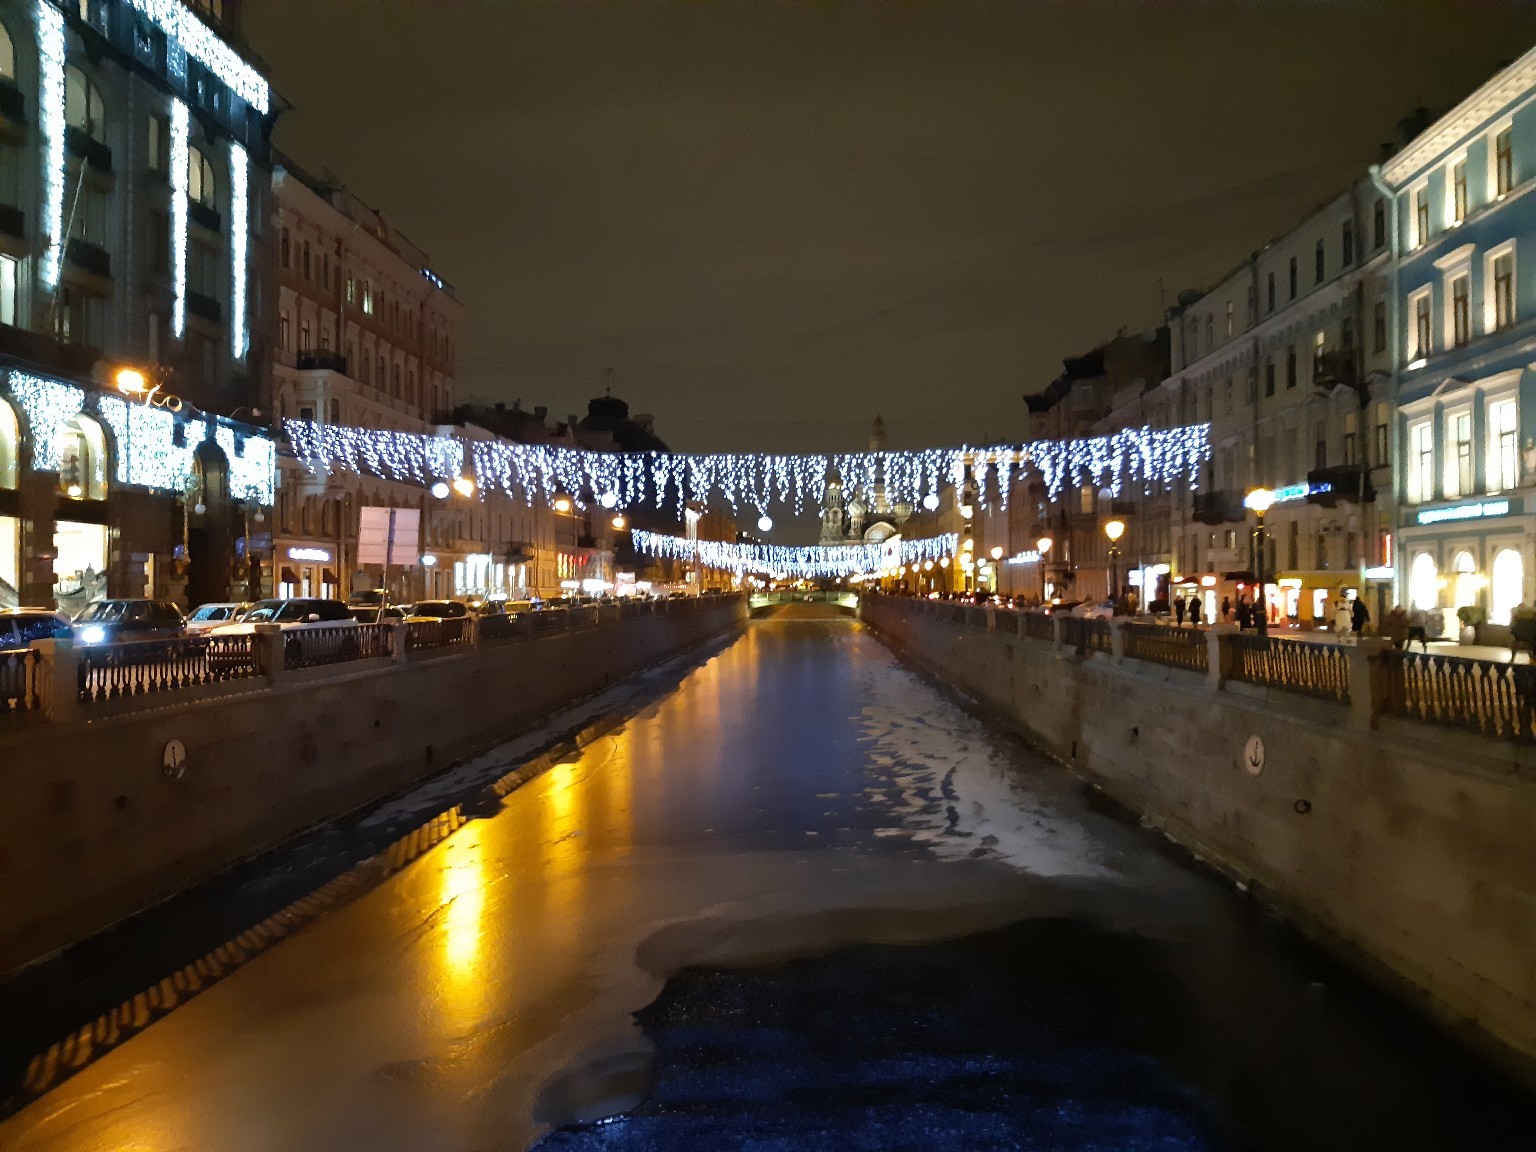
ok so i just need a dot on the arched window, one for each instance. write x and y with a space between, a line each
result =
10 442
1467 581
1424 582
202 188
7 56
1507 588
83 107
82 459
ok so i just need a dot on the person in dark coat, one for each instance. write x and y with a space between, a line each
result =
1226 609
1178 610
1359 617
1244 615
1194 611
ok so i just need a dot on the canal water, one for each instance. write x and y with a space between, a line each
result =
803 901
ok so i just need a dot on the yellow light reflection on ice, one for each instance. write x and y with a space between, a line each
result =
463 899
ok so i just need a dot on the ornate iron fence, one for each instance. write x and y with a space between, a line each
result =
499 627
1320 670
552 620
1484 696
425 635
1086 634
1176 647
140 667
18 680
1038 626
316 647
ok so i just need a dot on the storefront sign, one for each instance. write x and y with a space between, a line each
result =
1293 492
1383 573
310 555
1477 510
1030 557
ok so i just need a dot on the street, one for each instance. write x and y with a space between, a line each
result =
810 855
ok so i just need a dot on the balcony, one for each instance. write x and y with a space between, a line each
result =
205 217
1222 506
323 360
1334 368
96 155
205 308
1347 482
89 257
519 552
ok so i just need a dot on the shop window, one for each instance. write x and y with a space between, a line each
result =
1507 587
1424 582
82 451
79 565
10 444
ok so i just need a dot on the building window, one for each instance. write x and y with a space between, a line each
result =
1506 589
201 187
303 336
1290 366
1423 329
1320 449
285 332
1271 292
1379 225
367 298
1461 310
1421 462
158 144
1347 243
1503 162
1320 262
1420 217
1424 583
1210 333
1379 327
1381 434
1229 318
1458 199
1293 278
304 261
1503 446
285 250
83 107
1351 439
1269 378
1503 290
1458 456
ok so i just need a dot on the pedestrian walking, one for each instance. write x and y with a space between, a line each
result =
1226 609
1194 611
1244 615
1395 626
1418 629
1178 610
1359 617
1343 621
1522 627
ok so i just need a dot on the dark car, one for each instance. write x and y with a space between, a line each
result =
20 626
438 610
112 621
378 614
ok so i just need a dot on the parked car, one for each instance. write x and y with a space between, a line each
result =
438 610
20 626
378 613
300 612
112 621
210 616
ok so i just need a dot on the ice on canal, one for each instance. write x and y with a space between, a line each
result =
848 914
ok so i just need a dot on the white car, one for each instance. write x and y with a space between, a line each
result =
211 616
289 615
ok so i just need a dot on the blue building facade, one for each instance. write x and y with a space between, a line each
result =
1462 198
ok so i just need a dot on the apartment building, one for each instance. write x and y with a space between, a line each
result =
133 152
1464 222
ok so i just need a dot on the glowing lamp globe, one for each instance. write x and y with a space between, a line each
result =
997 553
1259 500
931 501
1115 529
464 486
608 499
440 490
1043 545
765 523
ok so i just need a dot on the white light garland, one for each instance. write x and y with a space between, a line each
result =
1146 457
239 245
144 439
50 109
205 46
180 154
801 563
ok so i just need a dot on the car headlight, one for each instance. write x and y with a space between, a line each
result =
93 634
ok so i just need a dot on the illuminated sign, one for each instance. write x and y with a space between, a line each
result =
314 555
1030 557
1478 510
1293 492
1386 572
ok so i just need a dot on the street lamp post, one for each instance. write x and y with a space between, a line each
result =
1114 530
1260 500
1043 547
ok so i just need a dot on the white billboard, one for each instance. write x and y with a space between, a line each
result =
389 536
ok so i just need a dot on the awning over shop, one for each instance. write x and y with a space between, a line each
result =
289 577
330 577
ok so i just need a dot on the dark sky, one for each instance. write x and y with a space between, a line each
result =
773 220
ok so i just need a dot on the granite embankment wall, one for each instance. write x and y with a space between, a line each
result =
93 825
1408 847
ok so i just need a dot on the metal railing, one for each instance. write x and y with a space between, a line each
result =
141 667
433 635
1160 644
1488 697
549 620
18 680
500 627
1086 634
317 647
1320 670
1038 626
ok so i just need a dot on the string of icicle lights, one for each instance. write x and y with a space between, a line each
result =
1136 458
807 562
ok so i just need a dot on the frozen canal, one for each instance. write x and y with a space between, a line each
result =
884 926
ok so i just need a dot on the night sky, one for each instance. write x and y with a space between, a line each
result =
774 220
